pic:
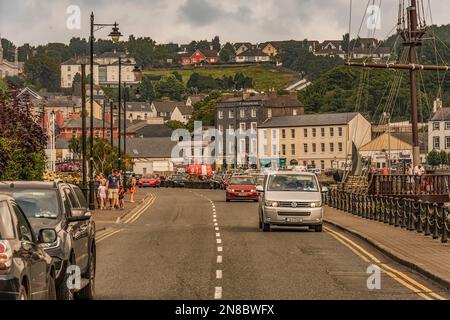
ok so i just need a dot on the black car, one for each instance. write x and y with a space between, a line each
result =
26 270
176 181
62 207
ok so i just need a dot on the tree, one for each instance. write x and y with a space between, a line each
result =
216 43
443 158
433 158
227 54
173 124
204 111
43 72
146 89
178 76
170 88
75 147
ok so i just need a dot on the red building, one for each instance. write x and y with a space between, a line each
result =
198 57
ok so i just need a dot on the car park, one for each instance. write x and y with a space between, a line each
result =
242 188
27 272
62 207
290 199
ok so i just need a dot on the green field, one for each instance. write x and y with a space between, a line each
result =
264 77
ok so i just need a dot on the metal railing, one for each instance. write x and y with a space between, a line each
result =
426 218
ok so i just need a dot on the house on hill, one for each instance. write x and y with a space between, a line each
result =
199 57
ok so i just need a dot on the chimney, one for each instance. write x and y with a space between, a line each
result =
437 105
59 120
108 117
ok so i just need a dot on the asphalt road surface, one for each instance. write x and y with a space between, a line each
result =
192 245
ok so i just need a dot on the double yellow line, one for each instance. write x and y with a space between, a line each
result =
109 233
400 277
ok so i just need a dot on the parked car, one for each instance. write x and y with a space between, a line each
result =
290 199
152 181
62 207
242 188
27 272
177 181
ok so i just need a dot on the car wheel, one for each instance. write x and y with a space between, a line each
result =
228 200
318 228
88 292
22 293
265 227
51 288
62 291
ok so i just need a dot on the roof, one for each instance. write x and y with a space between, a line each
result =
253 53
209 53
442 114
76 123
237 45
282 101
309 120
336 43
154 131
197 98
150 147
398 141
186 110
112 54
32 94
139 107
77 61
28 184
62 143
330 51
167 106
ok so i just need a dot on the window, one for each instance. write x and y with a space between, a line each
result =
331 132
274 134
274 150
108 133
331 147
23 227
81 197
265 134
305 133
305 148
322 132
322 147
436 126
447 126
269 113
314 132
283 149
231 114
231 127
253 113
436 143
447 142
254 127
283 134
314 148
322 165
293 133
220 128
295 112
242 113
293 149
220 115
243 127
341 147
254 146
6 227
266 150
341 132
97 134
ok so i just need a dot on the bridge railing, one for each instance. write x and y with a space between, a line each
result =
426 218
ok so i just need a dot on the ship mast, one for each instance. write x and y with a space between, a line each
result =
412 35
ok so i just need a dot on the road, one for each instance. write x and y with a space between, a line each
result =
192 245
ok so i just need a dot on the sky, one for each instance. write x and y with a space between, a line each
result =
181 21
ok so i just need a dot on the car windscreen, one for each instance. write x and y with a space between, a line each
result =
6 228
290 183
242 181
38 203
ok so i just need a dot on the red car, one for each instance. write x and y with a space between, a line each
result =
242 188
150 182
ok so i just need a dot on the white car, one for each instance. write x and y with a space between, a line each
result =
290 199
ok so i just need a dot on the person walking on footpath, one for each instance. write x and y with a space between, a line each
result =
419 172
133 187
113 190
102 194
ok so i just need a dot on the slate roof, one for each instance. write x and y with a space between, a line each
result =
253 53
309 120
442 114
185 110
150 147
167 106
153 131
282 102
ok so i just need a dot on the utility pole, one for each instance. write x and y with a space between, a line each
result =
83 130
111 104
412 37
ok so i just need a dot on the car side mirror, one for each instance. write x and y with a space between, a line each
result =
47 236
78 212
260 189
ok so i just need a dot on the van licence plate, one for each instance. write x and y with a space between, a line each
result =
294 220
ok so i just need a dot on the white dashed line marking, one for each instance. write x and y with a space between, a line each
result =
219 241
219 249
219 274
219 259
217 229
217 235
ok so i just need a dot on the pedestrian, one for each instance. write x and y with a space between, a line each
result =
419 172
133 187
409 179
113 190
122 194
102 195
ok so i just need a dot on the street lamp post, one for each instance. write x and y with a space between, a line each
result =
111 120
115 36
83 130
119 108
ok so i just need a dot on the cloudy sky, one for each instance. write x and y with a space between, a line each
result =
42 21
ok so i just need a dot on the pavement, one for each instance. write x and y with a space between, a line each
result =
422 253
193 245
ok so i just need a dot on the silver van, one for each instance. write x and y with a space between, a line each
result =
290 199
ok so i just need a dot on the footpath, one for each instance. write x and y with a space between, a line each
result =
414 250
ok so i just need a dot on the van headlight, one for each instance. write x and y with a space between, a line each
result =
316 204
273 204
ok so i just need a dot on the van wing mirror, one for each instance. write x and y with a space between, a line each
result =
259 189
325 190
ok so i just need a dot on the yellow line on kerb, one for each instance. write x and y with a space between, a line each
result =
139 213
413 285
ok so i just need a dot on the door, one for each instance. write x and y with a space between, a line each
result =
79 231
34 255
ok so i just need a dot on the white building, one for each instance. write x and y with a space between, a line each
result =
106 69
439 128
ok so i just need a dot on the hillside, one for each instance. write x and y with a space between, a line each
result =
264 76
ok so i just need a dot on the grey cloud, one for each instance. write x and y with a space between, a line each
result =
199 12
